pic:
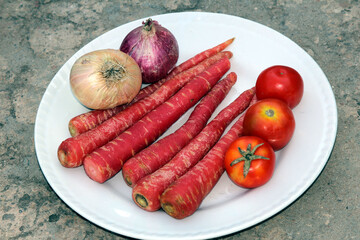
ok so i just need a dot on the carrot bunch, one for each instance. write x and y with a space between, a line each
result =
146 193
84 122
178 199
166 173
72 151
106 161
156 155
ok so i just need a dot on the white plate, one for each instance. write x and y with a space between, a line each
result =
228 208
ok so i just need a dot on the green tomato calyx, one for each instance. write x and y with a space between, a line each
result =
247 156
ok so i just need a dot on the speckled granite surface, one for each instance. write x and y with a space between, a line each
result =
38 37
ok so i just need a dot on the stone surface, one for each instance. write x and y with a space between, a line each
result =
37 37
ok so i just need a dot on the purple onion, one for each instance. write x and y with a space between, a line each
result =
154 48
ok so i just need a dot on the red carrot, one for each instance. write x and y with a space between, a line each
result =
146 193
184 196
200 57
89 120
108 160
157 154
72 151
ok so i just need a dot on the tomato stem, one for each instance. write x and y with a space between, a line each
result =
270 113
248 155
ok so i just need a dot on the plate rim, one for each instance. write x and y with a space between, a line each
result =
231 229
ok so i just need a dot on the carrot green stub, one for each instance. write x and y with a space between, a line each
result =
109 159
156 155
141 201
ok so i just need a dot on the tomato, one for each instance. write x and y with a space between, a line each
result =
250 162
280 82
272 120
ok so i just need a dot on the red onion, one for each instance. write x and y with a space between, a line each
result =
154 48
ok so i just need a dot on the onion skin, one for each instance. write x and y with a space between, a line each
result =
154 48
105 79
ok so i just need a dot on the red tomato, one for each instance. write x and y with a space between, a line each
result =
280 82
272 120
250 162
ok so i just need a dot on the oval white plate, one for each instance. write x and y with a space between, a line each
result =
227 208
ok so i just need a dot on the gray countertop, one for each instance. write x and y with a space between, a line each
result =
38 37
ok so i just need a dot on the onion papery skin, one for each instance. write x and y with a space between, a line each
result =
105 78
154 48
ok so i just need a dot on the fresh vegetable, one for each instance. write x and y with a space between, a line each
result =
108 160
250 162
179 200
154 48
201 57
159 153
281 82
89 120
72 151
147 191
272 120
105 79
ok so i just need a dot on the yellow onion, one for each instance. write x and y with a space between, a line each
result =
105 79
